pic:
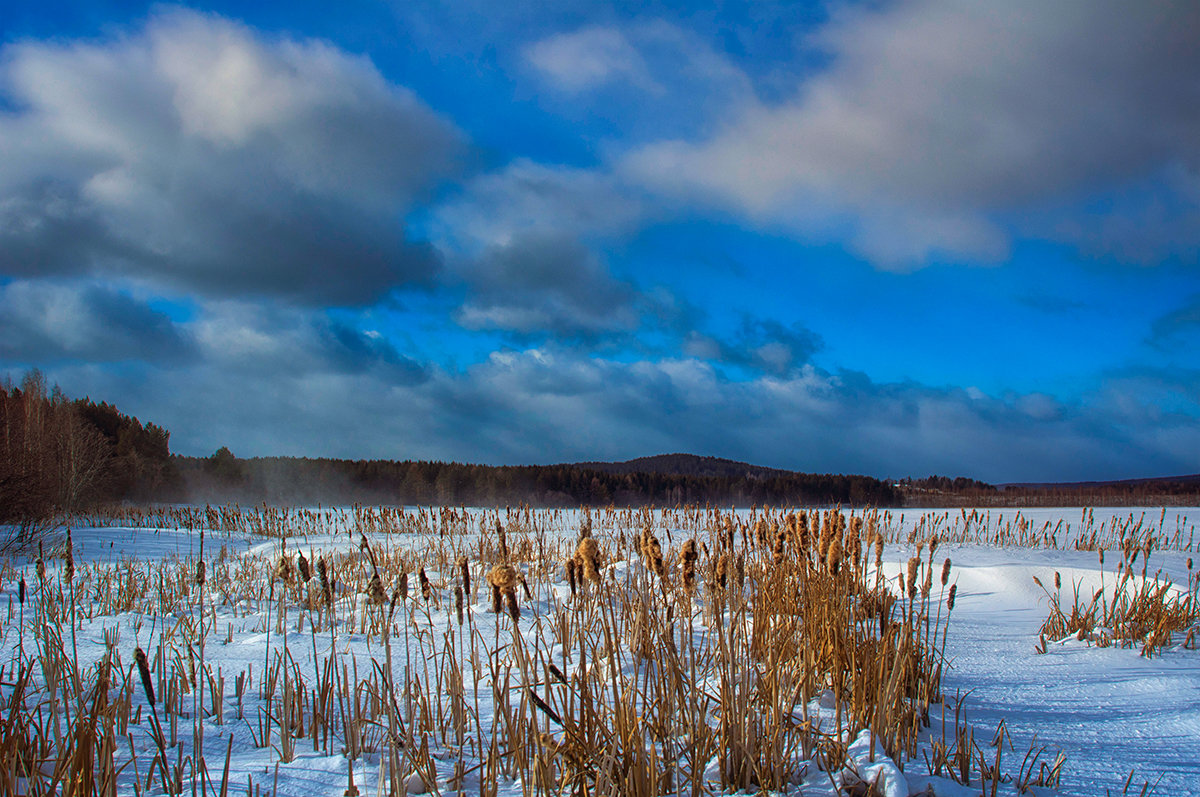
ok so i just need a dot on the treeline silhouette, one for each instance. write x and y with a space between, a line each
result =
298 480
58 456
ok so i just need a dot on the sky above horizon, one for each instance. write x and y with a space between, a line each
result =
896 238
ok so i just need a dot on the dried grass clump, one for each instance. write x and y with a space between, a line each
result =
587 557
503 580
1135 610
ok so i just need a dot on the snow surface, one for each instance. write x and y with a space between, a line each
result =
1108 709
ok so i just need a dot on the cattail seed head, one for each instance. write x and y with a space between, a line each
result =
503 576
200 573
503 540
1057 580
326 587
587 555
465 570
510 597
950 597
393 602
404 585
426 588
570 565
458 604
687 564
833 557
722 570
945 571
69 557
914 566
283 570
21 591
375 589
305 568
143 666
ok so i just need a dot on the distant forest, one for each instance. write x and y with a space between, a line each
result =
292 480
59 455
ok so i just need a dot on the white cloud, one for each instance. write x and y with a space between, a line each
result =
201 154
935 118
528 198
587 58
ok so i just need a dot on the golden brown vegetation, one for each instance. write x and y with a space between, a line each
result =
747 649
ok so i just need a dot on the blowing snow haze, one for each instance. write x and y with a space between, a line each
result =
894 239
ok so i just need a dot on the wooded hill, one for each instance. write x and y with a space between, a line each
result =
327 481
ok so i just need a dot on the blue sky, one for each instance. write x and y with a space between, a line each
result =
894 238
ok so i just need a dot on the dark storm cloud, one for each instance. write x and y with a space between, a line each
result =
47 322
274 343
205 157
547 284
760 344
1172 329
543 405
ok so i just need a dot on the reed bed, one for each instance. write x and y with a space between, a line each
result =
631 652
1129 609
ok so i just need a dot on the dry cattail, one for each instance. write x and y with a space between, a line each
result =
588 556
458 603
200 573
1057 580
950 597
687 563
503 576
502 579
465 570
503 541
570 565
426 588
40 568
514 611
375 589
833 557
69 557
404 585
326 588
21 591
283 569
305 568
945 571
914 566
393 603
143 666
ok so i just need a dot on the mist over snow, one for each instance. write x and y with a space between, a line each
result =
897 239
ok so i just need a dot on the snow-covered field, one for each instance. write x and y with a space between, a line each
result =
1109 710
